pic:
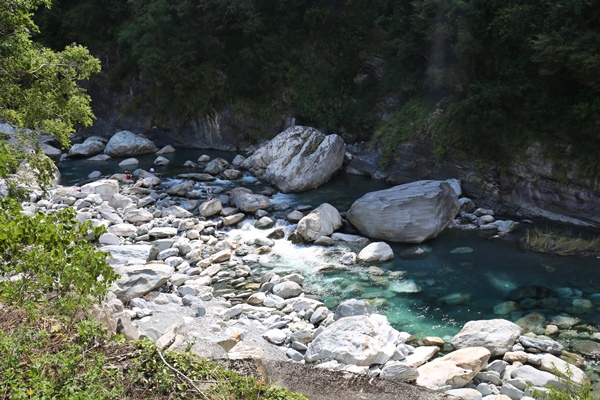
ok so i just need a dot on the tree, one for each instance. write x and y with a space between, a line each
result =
38 89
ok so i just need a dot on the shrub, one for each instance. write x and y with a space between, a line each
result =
47 258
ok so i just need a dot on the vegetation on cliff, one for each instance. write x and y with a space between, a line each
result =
479 76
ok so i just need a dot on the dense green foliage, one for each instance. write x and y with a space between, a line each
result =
497 74
47 258
38 90
51 359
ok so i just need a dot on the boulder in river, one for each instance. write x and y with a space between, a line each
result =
409 213
322 221
298 159
127 144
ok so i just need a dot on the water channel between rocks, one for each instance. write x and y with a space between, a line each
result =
463 275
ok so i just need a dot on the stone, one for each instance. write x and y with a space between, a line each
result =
287 289
138 215
497 335
465 394
410 213
536 377
376 252
210 207
455 369
247 201
295 216
275 336
139 279
162 232
360 340
122 230
322 221
550 363
181 189
166 149
298 159
421 355
399 371
587 348
543 345
106 188
127 144
264 223
534 322
161 161
90 147
351 308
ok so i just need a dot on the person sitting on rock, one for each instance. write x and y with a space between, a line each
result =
127 175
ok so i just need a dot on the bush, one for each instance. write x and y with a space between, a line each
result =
47 258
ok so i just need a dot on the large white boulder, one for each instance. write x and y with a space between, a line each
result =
360 340
496 335
298 159
322 221
376 252
409 213
127 144
106 188
455 369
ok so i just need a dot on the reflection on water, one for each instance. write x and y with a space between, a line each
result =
461 276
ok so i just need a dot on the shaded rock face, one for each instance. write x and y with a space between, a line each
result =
126 144
298 159
409 213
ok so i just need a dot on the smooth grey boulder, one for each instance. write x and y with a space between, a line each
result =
496 335
376 252
536 377
90 147
287 289
322 221
138 279
360 340
298 159
127 144
409 213
247 201
352 308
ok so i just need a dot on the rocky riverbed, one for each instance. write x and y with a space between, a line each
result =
172 249
189 281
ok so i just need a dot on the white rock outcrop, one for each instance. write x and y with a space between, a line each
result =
298 159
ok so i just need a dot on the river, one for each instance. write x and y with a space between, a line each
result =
463 275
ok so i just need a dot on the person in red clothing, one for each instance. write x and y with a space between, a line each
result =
127 174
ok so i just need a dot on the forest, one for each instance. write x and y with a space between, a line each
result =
479 77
